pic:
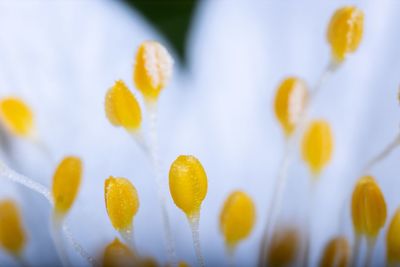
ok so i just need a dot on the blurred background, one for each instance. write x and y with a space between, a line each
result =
230 56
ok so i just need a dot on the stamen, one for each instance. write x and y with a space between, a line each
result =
122 108
284 247
345 31
66 182
188 188
393 240
368 207
12 234
17 117
317 146
117 254
237 218
336 253
368 210
122 204
152 70
13 176
290 102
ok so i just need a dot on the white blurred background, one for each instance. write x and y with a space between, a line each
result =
61 57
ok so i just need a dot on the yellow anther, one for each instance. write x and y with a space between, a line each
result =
152 70
117 254
188 184
317 145
237 218
122 108
183 264
368 207
336 253
345 31
393 239
284 248
122 202
17 117
66 182
12 234
290 101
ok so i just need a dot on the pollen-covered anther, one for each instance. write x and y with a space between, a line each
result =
122 202
317 146
152 69
117 254
345 31
66 182
336 253
17 117
122 108
284 247
188 184
237 218
393 239
12 234
290 101
368 207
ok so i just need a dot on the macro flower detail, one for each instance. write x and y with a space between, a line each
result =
290 101
12 233
122 108
17 117
152 69
345 31
317 146
237 218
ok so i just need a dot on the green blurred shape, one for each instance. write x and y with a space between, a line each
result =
172 18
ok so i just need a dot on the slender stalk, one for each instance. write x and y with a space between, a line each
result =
356 250
370 251
127 236
274 207
77 247
383 154
21 261
311 211
156 161
13 176
194 226
56 233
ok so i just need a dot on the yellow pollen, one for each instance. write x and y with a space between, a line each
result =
368 207
12 234
345 31
317 146
122 108
117 254
290 102
152 70
17 117
188 184
122 202
66 182
237 218
336 253
393 239
284 247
